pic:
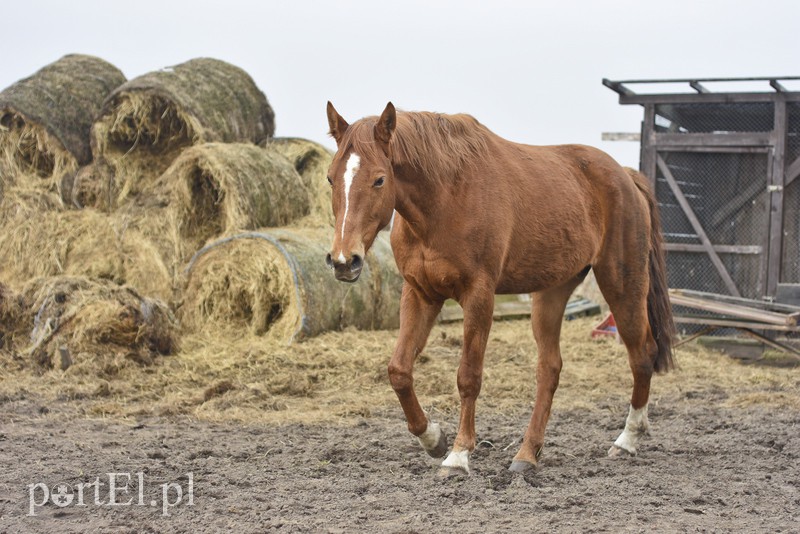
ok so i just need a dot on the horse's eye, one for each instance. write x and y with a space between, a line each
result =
330 182
378 182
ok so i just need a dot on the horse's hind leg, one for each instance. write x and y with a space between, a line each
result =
627 300
547 315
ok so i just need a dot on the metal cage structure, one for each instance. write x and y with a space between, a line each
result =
724 167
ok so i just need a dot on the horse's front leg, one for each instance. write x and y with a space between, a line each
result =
417 316
478 306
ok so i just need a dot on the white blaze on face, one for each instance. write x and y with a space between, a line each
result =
351 168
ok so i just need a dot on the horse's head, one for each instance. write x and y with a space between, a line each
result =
363 188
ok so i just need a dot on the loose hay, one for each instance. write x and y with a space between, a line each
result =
86 322
45 119
276 282
148 121
83 243
311 160
222 188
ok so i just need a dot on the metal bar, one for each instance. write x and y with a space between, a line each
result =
697 334
733 323
694 98
688 80
735 310
792 172
698 228
772 343
720 249
713 139
617 87
697 86
775 84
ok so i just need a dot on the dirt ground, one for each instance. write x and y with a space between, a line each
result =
724 455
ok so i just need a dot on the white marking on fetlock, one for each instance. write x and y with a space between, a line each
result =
430 438
636 426
457 460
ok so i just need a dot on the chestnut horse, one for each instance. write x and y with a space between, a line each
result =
478 215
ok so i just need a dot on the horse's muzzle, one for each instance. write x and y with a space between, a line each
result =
348 270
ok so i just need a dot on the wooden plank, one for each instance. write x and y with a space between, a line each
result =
778 86
752 303
716 149
621 136
788 294
733 323
776 180
713 139
698 228
647 153
720 249
792 172
735 310
522 310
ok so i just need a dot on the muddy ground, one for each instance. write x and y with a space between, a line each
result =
706 468
310 438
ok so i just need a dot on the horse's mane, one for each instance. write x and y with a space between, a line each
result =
437 145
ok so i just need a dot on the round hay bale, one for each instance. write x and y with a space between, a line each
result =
311 160
78 320
148 121
275 282
93 186
84 243
45 119
221 188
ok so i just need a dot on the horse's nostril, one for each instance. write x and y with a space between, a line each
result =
329 260
356 263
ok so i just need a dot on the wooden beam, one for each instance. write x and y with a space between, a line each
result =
752 303
698 228
696 98
720 249
617 87
621 136
772 343
647 152
713 139
792 172
735 310
732 323
776 183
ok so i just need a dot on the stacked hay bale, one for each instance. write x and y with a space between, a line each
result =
185 202
147 122
45 121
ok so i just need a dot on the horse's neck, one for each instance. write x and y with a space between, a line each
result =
419 200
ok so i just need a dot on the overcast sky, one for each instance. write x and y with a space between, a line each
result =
530 71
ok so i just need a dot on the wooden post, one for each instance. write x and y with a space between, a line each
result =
775 188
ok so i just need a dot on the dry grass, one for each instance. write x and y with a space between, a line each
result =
343 374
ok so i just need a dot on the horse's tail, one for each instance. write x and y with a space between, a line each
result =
659 310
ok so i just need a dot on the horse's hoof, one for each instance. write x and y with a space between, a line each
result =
521 466
619 452
441 447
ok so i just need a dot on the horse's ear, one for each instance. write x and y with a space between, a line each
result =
336 123
385 126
